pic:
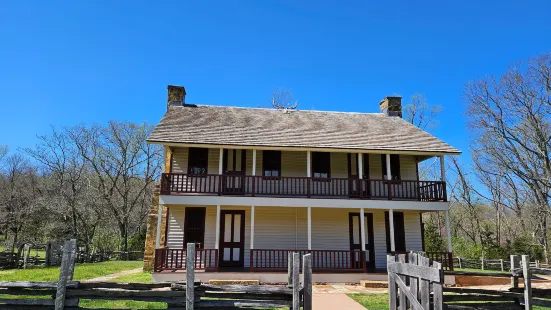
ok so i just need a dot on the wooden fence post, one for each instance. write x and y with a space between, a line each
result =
501 262
48 253
401 295
424 285
459 259
527 275
438 299
514 276
296 283
482 262
26 254
391 284
289 269
307 281
413 281
67 260
190 276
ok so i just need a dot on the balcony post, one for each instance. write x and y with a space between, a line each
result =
308 172
217 228
254 174
159 220
442 169
391 228
448 232
389 176
221 161
360 174
362 228
309 228
252 227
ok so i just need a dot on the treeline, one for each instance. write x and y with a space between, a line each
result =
92 183
500 203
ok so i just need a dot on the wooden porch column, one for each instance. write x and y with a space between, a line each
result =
254 162
388 171
217 237
362 228
308 163
159 222
220 161
360 166
442 169
252 227
309 227
448 232
391 227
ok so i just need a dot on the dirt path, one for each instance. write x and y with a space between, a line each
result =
114 275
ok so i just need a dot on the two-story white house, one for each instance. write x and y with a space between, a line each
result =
248 185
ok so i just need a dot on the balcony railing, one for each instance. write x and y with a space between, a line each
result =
215 184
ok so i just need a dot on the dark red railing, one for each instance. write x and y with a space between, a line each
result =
180 183
322 260
175 259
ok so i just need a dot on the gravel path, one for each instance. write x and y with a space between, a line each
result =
114 275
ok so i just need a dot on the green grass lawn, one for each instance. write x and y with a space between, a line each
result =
82 271
136 277
380 302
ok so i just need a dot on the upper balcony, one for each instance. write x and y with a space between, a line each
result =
302 187
297 174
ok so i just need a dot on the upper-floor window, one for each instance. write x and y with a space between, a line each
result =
321 164
394 166
271 162
198 160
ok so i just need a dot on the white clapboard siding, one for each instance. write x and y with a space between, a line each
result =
286 228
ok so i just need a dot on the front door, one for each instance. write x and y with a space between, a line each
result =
353 182
232 238
355 238
194 227
234 171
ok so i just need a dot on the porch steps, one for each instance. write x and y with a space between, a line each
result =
234 282
374 284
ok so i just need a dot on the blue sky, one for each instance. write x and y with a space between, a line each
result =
64 63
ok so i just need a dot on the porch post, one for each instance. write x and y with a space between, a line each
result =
442 169
252 227
159 220
388 170
362 228
220 161
391 228
254 163
360 166
448 232
217 237
308 163
309 228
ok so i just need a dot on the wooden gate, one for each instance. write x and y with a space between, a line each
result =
410 284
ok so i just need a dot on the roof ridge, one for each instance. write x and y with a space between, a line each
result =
272 109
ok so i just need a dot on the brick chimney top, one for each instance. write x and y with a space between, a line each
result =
391 106
176 95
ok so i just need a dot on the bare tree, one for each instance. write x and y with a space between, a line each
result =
510 117
420 113
283 99
125 167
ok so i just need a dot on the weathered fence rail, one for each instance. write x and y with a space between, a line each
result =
487 264
66 293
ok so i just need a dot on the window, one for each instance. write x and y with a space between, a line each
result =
399 232
321 165
394 166
198 160
271 161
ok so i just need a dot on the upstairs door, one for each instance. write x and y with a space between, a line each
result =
353 183
356 237
234 171
232 238
194 227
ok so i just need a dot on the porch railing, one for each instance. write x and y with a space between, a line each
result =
446 258
181 183
175 259
322 260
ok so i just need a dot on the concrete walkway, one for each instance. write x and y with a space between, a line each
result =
115 275
324 301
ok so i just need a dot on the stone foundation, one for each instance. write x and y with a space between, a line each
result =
149 253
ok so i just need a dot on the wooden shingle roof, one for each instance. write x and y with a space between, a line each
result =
262 127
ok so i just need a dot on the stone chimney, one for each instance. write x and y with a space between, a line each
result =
391 106
176 96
